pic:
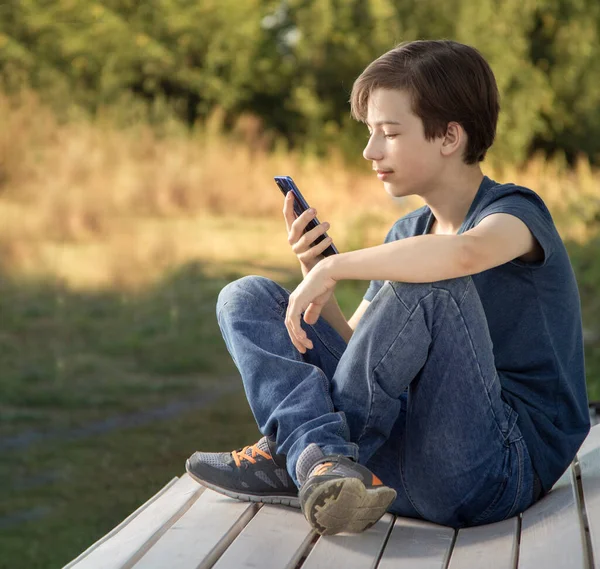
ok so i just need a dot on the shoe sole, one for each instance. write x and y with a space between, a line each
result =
345 505
277 500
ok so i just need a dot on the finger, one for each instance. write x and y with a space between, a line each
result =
298 335
300 224
291 333
296 328
302 337
305 243
288 210
312 313
297 344
315 251
309 237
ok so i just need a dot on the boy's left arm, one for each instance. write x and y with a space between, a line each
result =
497 239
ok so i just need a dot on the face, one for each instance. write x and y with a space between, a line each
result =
406 162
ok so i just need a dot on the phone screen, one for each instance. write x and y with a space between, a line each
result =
286 184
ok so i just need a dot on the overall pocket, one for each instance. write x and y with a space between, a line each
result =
509 428
490 509
510 433
509 494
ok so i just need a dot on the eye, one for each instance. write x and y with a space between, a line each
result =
390 136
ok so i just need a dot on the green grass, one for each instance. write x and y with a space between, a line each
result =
96 482
69 357
586 263
68 360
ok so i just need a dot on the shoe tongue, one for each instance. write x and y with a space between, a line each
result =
262 445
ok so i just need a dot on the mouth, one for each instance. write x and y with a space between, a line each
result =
383 174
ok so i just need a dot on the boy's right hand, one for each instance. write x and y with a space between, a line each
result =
301 242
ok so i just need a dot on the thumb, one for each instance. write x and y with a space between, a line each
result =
312 313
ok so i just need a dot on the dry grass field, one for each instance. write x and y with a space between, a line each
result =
96 206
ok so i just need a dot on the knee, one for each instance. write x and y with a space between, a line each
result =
456 287
260 288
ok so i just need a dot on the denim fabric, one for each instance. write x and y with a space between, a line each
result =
534 319
414 395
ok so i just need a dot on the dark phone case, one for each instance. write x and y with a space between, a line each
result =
286 184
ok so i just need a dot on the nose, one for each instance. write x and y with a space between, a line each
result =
373 151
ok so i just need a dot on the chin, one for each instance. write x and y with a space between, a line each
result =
396 190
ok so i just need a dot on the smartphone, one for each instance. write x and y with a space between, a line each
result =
286 184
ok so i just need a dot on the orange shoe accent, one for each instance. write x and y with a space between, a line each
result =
239 455
376 481
321 468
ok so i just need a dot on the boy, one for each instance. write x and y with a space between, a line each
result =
456 392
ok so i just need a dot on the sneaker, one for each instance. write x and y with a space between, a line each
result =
339 495
253 474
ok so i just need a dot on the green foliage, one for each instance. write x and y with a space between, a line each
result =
586 263
565 46
292 63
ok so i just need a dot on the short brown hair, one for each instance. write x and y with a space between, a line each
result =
447 81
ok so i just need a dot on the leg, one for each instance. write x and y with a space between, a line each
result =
435 428
411 337
288 392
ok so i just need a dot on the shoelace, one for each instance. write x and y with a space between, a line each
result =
325 467
320 469
239 455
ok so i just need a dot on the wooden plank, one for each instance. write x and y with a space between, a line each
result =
416 544
493 546
201 535
122 524
588 463
275 538
552 532
125 547
351 551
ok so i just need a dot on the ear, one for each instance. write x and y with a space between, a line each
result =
454 139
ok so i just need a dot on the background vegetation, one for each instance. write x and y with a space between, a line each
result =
291 63
137 150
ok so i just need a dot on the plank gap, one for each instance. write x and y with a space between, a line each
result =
163 529
385 541
307 550
518 542
450 550
305 547
220 548
583 513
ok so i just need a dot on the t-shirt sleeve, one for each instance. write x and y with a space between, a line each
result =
532 211
374 287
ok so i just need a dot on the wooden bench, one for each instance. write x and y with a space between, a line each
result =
186 526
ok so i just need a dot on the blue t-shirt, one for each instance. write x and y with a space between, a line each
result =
534 317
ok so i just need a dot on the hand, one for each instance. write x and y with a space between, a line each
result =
301 242
309 297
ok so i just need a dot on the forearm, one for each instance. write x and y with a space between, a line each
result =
420 259
333 314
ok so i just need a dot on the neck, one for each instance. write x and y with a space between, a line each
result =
450 200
